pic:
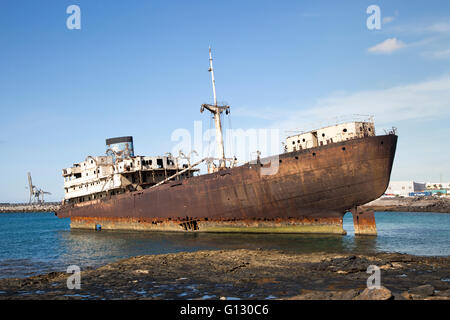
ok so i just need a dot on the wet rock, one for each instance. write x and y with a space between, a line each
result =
398 296
326 295
445 293
386 266
350 264
244 274
375 294
436 298
349 294
425 290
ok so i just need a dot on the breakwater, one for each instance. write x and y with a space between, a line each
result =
26 207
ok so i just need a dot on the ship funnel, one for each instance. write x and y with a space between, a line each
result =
121 147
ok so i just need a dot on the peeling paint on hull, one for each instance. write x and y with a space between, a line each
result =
310 192
325 225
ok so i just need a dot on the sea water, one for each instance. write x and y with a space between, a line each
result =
37 243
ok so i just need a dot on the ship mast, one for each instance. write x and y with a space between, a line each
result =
216 110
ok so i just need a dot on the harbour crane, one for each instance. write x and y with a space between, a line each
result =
36 194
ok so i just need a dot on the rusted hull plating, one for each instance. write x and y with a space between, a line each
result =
364 222
310 192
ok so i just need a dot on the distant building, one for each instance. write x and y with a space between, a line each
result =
404 188
437 185
438 192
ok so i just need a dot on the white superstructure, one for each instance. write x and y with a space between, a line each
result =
330 134
98 177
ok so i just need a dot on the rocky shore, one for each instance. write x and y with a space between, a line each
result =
418 204
246 274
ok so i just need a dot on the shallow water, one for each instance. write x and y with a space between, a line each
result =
36 243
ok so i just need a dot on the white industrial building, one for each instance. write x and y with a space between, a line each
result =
403 188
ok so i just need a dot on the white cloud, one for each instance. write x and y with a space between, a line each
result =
387 20
441 54
387 46
423 100
419 28
442 27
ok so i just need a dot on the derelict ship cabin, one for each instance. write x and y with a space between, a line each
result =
118 172
331 134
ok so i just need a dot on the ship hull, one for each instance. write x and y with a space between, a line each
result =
306 191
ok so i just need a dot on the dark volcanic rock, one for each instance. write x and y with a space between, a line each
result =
327 295
445 293
244 274
350 264
375 294
425 290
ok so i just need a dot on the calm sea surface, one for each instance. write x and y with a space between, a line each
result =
36 243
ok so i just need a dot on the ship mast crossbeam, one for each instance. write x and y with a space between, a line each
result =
216 110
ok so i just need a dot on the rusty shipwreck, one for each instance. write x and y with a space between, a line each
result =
321 175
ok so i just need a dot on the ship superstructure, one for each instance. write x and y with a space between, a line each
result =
331 134
119 171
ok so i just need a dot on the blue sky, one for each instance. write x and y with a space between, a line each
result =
140 68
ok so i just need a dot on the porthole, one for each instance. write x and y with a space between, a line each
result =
382 142
323 134
343 148
314 154
345 130
304 140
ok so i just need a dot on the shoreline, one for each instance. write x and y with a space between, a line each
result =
422 204
246 274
